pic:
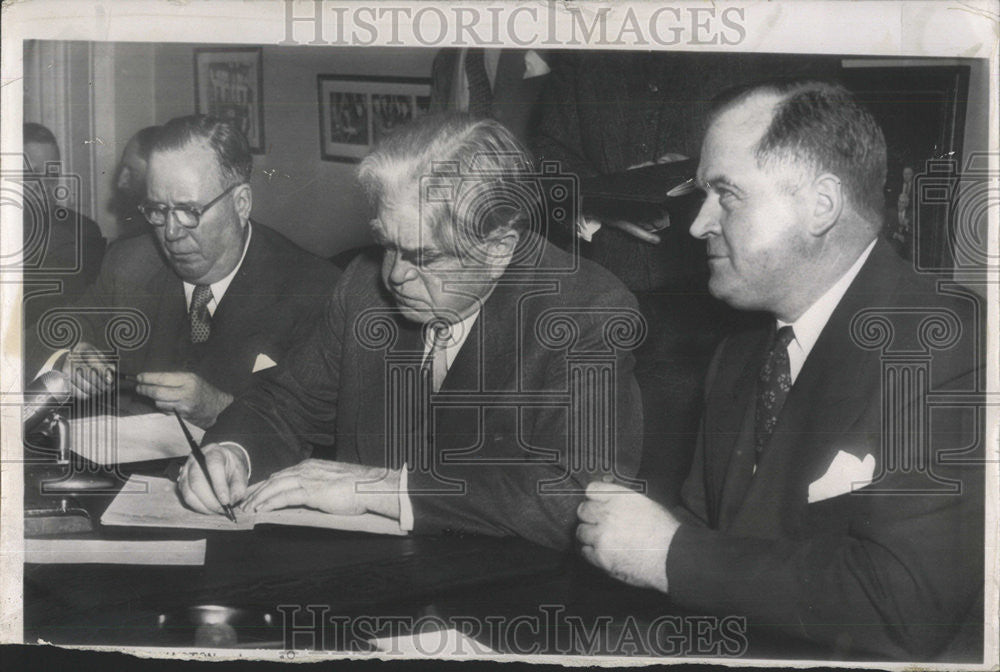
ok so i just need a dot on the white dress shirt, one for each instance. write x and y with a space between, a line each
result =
534 66
218 291
220 286
811 323
459 332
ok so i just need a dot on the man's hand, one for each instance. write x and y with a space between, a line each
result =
229 471
88 371
643 230
626 534
196 400
334 487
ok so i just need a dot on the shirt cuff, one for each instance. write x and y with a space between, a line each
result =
405 505
586 228
534 65
50 363
246 455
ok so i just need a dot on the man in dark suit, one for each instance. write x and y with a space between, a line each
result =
604 112
62 247
207 297
509 343
818 506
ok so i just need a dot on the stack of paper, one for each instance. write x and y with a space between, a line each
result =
108 440
102 551
146 501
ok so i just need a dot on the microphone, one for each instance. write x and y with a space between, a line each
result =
43 394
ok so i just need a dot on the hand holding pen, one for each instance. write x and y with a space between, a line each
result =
213 478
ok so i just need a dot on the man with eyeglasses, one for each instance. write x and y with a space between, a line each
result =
222 297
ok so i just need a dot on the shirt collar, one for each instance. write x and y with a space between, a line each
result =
459 333
810 324
219 287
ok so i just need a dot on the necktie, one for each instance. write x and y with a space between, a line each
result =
200 320
480 93
772 388
436 362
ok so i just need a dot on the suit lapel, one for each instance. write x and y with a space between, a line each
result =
733 453
252 291
168 321
828 397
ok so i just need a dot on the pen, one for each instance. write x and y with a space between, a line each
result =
200 459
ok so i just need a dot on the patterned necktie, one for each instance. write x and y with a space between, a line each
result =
480 93
200 321
772 388
436 362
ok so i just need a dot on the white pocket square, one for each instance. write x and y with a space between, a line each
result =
845 474
263 362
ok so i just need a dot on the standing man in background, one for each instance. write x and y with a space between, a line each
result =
501 84
130 183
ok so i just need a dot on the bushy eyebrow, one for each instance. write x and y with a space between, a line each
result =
714 182
425 253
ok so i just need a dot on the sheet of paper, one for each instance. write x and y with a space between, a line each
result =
107 440
146 501
436 643
102 551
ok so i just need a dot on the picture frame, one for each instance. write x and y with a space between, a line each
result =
356 111
229 84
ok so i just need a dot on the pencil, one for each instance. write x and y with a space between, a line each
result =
199 457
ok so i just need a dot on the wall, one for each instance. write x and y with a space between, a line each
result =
316 203
96 95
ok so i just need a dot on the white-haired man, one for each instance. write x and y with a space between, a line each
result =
467 289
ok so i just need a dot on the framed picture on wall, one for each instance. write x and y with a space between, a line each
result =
229 84
356 111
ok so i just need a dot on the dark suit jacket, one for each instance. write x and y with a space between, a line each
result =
895 574
601 112
61 259
491 444
514 97
277 291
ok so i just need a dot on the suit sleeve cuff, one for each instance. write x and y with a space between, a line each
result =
405 505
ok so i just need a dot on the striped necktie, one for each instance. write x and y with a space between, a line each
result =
480 93
436 361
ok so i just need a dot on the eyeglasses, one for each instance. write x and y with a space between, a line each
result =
188 216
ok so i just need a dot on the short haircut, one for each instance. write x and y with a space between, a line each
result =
230 146
453 149
820 124
144 141
37 133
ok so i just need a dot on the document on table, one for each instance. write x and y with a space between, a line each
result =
147 501
442 643
108 440
114 552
